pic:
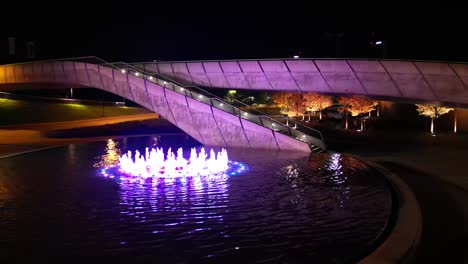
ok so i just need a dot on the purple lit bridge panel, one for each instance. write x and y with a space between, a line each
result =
107 79
374 78
462 72
390 79
232 130
159 102
234 76
181 71
198 74
179 108
215 74
81 73
408 78
259 136
94 76
121 84
207 125
138 89
442 78
199 116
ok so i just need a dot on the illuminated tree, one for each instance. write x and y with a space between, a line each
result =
296 103
317 102
356 106
281 100
433 112
344 108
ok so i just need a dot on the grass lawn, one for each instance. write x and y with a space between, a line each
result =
14 112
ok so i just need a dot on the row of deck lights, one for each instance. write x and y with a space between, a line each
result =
200 96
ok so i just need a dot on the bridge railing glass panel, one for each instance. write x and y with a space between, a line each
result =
235 107
252 118
221 105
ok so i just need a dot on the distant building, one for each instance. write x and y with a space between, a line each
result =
13 49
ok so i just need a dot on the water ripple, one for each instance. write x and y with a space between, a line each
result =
285 208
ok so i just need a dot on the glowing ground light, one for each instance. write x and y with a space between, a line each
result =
155 164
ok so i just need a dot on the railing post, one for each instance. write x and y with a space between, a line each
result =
261 121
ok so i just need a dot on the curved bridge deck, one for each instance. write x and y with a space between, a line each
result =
412 81
210 121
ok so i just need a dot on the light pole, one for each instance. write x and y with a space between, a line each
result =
383 45
337 36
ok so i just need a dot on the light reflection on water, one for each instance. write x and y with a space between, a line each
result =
111 155
207 193
286 208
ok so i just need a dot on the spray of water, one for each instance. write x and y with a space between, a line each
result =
154 163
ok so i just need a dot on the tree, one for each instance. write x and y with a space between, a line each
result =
356 106
281 100
296 103
344 108
317 102
433 112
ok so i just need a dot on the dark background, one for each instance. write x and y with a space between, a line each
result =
138 31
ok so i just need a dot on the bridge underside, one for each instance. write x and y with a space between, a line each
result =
409 81
208 125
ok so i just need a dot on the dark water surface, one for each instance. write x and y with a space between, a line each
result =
286 208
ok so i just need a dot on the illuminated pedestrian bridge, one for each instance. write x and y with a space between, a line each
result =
171 89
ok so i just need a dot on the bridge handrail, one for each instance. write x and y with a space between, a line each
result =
299 59
251 109
230 60
263 119
61 59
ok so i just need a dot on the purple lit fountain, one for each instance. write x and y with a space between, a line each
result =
155 164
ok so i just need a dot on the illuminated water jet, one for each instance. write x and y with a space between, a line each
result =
155 164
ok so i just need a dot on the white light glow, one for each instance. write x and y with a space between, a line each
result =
123 71
155 164
137 74
151 77
378 42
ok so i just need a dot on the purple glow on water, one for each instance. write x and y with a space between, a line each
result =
154 164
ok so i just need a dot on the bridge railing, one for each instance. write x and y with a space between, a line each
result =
250 111
308 59
298 131
84 59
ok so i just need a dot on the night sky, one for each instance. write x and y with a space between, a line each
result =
132 31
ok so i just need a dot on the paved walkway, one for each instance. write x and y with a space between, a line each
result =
436 169
28 137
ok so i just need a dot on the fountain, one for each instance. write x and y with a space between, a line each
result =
155 164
